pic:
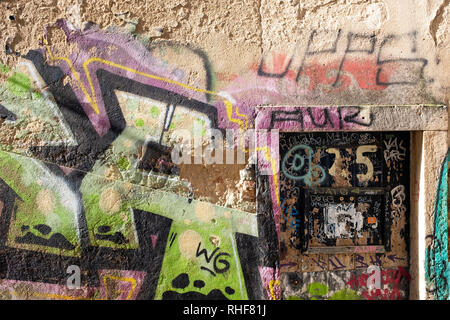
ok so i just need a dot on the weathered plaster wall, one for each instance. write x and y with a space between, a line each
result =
93 95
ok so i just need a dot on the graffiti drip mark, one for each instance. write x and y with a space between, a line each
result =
167 120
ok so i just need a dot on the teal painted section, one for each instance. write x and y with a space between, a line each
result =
437 273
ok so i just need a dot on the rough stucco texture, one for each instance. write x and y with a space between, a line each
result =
95 96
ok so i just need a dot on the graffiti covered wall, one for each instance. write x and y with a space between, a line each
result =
217 151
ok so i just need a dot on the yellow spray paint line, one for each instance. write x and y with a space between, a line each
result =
272 283
74 71
274 172
228 105
93 101
129 280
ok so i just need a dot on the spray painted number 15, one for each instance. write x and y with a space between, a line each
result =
360 159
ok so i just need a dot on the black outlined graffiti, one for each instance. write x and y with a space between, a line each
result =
215 254
384 62
309 52
323 117
351 37
365 45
